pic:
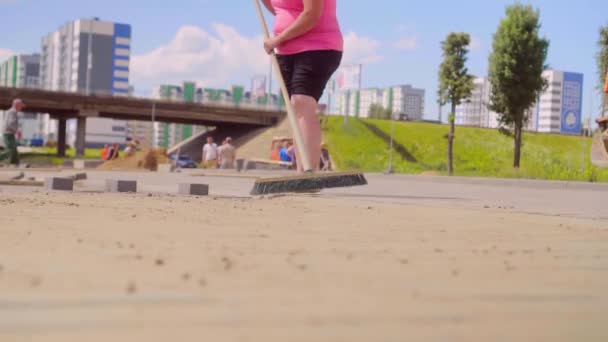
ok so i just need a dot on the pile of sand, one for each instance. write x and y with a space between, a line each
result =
147 159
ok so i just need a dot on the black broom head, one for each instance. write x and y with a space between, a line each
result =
307 183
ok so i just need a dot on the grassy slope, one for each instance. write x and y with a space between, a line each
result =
478 152
49 156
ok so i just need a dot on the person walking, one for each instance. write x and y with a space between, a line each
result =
11 127
210 154
227 154
309 44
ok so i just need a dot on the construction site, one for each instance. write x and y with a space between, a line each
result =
147 193
135 249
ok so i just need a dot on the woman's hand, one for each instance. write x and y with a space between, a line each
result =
307 20
270 44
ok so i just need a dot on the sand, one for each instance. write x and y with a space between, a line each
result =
100 267
146 159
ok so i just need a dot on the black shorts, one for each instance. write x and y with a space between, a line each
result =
307 73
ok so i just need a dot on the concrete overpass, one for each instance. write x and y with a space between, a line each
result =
63 106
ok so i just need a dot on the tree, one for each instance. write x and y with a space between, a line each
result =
516 66
602 64
377 111
455 83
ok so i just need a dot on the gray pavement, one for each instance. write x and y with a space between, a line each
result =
567 199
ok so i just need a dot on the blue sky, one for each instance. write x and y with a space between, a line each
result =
398 40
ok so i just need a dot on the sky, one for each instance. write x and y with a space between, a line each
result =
219 43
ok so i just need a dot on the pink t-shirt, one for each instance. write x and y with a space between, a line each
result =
325 36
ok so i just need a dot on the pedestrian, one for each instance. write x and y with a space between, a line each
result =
291 152
130 149
210 154
284 153
115 152
325 159
309 46
11 127
104 152
227 154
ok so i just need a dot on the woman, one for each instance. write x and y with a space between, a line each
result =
309 47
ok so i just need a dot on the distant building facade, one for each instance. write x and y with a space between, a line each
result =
557 110
404 101
89 56
474 111
23 71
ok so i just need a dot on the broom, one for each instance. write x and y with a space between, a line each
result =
310 181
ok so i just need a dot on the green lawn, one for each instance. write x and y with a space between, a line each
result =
48 156
477 152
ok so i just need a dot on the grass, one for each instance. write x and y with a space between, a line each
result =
477 152
48 156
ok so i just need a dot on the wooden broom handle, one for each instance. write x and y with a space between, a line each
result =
291 115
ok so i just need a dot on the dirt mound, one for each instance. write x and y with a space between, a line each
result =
147 159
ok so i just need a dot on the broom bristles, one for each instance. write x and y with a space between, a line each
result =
307 183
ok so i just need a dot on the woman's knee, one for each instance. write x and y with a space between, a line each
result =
304 105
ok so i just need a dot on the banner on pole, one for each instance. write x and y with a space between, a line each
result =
258 87
349 77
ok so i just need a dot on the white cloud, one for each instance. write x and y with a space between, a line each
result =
213 59
406 43
5 54
358 49
222 57
475 43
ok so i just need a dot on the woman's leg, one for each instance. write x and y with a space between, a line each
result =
306 112
310 73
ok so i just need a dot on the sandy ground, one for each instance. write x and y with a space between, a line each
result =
103 267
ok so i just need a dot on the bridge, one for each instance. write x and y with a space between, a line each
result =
64 105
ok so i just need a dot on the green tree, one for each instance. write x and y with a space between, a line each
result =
455 83
516 66
602 64
377 111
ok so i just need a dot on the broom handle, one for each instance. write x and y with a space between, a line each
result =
302 148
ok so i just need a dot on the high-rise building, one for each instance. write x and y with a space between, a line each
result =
474 111
92 57
558 109
367 98
20 71
404 101
87 55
